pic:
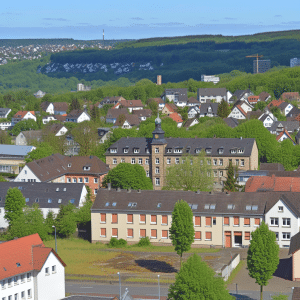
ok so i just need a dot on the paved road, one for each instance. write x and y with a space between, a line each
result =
148 290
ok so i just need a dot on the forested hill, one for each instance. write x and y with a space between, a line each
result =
174 62
258 37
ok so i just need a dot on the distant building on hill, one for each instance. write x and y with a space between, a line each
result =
211 78
294 62
262 66
82 88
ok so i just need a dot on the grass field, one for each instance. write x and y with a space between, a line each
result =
84 258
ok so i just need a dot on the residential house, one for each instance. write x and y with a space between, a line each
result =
29 270
283 136
285 108
231 122
57 129
49 197
23 115
193 102
240 95
252 100
169 109
279 126
255 114
128 122
295 112
25 138
237 112
110 101
205 95
48 119
159 101
12 157
61 118
243 176
264 96
55 108
47 107
4 112
191 122
193 111
210 78
156 154
294 251
290 96
268 119
117 106
73 147
177 118
89 170
78 116
6 125
275 103
272 167
209 110
177 96
104 133
132 104
244 105
39 94
113 114
143 114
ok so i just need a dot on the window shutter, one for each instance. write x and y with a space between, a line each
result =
153 219
257 221
142 232
164 219
246 221
226 220
130 218
236 220
114 232
237 233
197 221
208 235
114 218
197 235
103 232
130 232
153 233
208 221
143 218
103 218
164 234
247 235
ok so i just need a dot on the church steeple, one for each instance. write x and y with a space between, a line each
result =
158 133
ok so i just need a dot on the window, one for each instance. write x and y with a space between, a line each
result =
221 173
247 235
221 151
164 234
103 218
214 220
22 278
16 297
274 221
236 162
208 150
207 221
153 219
242 162
214 161
136 150
257 221
114 218
226 221
130 233
156 150
143 219
86 179
133 160
29 293
27 199
277 236
114 150
147 173
125 150
164 220
153 234
142 233
59 200
95 180
74 180
197 221
115 161
69 180
3 284
103 232
198 235
157 181
168 161
215 173
232 151
47 271
9 282
286 222
140 161
10 297
169 150
85 168
286 235
23 295
221 162
157 161
54 269
176 160
280 208
147 161
156 170
130 218
208 236
236 221
114 232
16 280
177 150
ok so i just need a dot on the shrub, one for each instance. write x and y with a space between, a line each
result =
115 243
144 242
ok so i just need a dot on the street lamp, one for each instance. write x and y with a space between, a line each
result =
55 239
120 283
158 288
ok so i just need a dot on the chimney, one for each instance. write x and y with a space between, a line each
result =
129 190
198 192
227 193
118 189
139 190
158 81
211 192
91 156
109 186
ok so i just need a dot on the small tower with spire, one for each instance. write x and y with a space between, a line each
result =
158 146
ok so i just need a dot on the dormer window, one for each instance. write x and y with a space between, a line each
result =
125 150
57 189
136 150
198 150
178 150
230 206
169 150
221 150
69 165
188 149
86 168
233 151
240 150
208 150
156 150
147 150
113 150
49 200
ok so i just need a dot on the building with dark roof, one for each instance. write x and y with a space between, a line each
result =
178 96
110 100
205 95
77 116
157 153
25 138
65 169
29 270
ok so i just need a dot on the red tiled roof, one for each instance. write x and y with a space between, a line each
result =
276 184
171 107
290 95
116 105
275 103
282 133
21 114
175 116
241 110
253 99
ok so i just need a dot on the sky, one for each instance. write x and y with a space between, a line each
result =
133 19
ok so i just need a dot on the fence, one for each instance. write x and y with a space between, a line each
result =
227 269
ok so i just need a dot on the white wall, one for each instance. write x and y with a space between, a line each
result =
3 222
52 286
50 109
83 117
287 213
29 115
62 131
25 175
235 113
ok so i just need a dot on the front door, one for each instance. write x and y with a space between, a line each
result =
227 239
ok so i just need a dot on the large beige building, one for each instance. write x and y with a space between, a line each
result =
157 153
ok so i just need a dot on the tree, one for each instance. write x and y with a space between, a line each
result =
86 135
197 281
192 173
43 150
50 221
83 215
223 109
121 119
153 105
127 176
230 183
182 228
75 105
95 113
24 126
263 255
66 220
5 138
14 205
